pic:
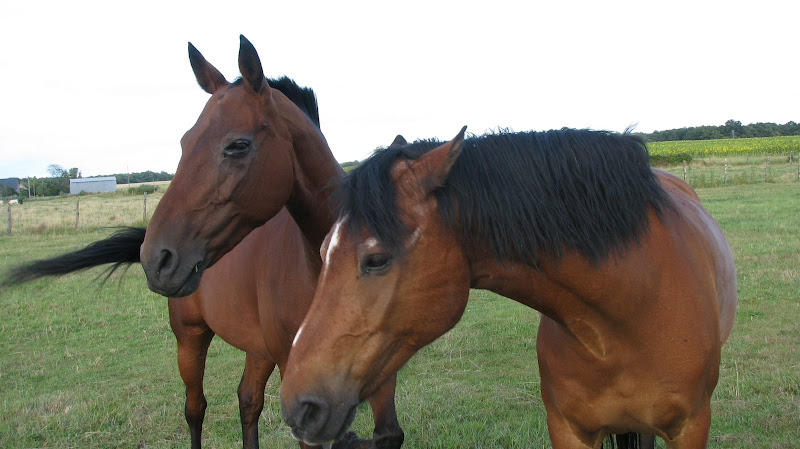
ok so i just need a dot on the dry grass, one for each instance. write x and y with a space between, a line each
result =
96 211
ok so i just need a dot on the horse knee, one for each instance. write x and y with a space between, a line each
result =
195 409
250 402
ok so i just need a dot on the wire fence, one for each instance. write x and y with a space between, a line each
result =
76 212
722 171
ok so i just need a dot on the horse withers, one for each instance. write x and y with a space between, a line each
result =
634 278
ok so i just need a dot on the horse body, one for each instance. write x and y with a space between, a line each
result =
254 298
239 300
632 323
635 344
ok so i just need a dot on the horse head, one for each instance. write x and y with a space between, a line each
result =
378 300
235 173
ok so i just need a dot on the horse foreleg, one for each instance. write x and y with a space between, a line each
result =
647 441
564 435
251 397
387 433
634 441
193 342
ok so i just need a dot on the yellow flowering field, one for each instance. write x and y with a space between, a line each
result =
783 145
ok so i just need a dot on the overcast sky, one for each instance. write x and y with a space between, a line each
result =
107 87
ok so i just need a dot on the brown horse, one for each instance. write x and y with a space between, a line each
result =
254 161
635 281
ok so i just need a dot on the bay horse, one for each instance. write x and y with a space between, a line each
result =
234 240
634 280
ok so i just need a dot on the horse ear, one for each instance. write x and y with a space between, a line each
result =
398 141
209 78
433 167
250 65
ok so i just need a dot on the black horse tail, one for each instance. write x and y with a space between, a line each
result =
120 248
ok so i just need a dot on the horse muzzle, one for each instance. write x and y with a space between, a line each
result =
317 421
169 274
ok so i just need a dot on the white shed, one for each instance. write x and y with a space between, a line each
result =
93 185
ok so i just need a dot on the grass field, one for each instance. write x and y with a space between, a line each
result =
77 213
161 184
89 367
715 171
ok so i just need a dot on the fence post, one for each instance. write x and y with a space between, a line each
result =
144 209
684 170
725 176
9 219
766 169
78 213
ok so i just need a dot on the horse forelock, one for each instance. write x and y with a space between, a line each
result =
523 196
367 195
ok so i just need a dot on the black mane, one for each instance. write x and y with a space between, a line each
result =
303 97
522 196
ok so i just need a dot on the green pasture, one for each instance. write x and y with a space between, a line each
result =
88 367
718 171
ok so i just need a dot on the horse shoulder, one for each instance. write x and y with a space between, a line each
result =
705 240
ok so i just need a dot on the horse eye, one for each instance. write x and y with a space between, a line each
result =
237 148
376 263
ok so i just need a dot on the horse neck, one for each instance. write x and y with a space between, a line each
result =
539 289
316 173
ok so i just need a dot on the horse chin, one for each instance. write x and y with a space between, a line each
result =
189 285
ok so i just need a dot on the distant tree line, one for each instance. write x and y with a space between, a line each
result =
58 182
347 166
143 176
731 129
7 191
34 186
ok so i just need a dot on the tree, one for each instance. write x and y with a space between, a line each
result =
733 128
51 186
789 129
7 191
56 171
74 173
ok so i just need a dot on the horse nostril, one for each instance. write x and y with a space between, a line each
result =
312 415
167 261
